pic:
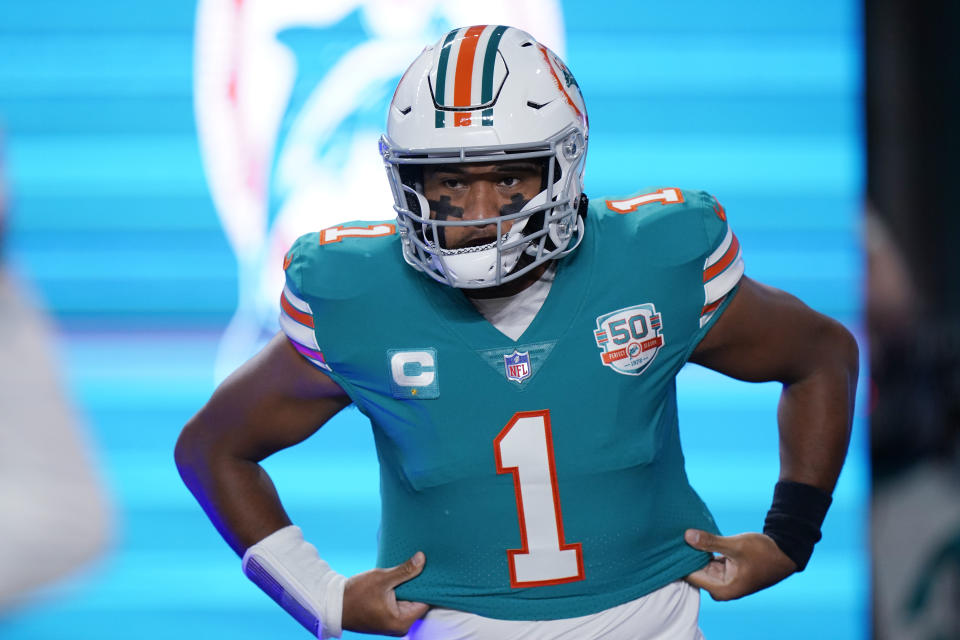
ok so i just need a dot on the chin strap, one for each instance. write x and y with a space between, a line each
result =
582 206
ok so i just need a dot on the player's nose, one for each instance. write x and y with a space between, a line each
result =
482 201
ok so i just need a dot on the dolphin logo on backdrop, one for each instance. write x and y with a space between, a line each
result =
290 99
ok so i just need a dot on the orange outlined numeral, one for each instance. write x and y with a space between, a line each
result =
339 232
525 448
720 211
669 195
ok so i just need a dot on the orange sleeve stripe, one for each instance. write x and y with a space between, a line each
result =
723 262
301 317
711 307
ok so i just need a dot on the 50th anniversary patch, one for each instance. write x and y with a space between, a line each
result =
629 338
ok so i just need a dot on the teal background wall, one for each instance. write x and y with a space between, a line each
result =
112 223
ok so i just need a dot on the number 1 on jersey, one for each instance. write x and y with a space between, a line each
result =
663 196
525 448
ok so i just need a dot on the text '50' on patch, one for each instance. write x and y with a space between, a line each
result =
629 338
413 373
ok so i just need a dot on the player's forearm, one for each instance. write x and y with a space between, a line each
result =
236 494
816 412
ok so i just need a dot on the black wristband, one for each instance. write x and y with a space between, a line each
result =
795 518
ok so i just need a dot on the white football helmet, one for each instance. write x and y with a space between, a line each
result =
485 94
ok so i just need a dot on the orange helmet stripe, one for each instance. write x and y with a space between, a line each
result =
463 88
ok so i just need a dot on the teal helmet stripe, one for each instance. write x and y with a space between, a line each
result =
489 64
440 89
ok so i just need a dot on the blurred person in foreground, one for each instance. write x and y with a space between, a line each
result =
55 512
515 347
915 450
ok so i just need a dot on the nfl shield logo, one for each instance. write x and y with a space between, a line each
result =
517 365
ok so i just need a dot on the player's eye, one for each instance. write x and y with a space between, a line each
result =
511 181
452 183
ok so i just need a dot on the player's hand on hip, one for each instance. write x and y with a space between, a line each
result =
746 564
370 605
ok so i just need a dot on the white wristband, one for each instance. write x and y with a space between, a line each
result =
290 571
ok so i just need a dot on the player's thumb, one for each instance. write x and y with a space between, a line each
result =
705 541
407 570
701 579
410 612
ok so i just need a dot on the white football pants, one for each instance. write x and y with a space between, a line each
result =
669 613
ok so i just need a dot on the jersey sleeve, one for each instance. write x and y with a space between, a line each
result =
723 265
296 314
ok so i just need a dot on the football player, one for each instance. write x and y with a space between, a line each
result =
523 401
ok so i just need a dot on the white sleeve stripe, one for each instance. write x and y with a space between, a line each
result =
298 332
719 251
323 365
297 303
705 319
725 281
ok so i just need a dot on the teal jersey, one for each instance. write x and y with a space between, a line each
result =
543 477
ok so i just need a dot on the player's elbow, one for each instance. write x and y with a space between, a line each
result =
830 354
193 450
844 352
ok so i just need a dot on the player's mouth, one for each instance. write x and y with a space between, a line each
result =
479 241
473 242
